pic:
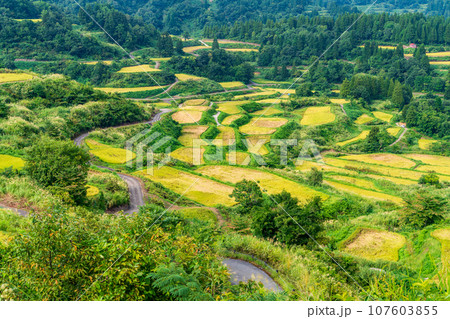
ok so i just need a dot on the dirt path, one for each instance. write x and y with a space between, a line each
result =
401 135
343 110
21 212
157 65
216 118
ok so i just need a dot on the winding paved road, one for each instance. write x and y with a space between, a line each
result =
242 271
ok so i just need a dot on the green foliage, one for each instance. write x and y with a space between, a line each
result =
251 107
59 165
192 87
429 179
315 177
424 209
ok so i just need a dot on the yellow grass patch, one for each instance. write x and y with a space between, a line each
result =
254 142
268 111
187 77
194 48
430 159
361 136
92 191
197 188
14 77
189 133
383 116
262 126
375 244
189 155
109 154
317 116
225 137
382 159
425 144
393 131
231 107
138 69
363 119
187 117
230 119
238 158
128 90
7 161
339 101
231 85
365 193
274 184
242 50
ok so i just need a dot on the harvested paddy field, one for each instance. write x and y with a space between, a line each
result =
262 126
189 133
274 184
109 154
8 161
360 137
314 116
197 188
374 244
187 117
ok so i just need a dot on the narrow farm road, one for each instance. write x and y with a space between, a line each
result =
400 137
21 212
216 118
343 110
242 271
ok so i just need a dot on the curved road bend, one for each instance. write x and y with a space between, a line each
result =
242 271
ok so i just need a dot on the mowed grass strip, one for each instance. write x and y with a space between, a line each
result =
360 137
189 133
191 155
274 184
14 77
128 90
314 116
230 119
231 107
374 244
383 116
363 119
262 126
197 188
109 154
7 161
138 69
385 159
187 117
226 136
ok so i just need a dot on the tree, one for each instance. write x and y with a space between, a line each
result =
315 177
424 209
4 110
429 179
165 45
373 141
215 45
59 165
447 91
397 95
248 194
304 89
179 47
284 75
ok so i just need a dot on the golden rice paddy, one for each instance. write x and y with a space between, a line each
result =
445 170
231 85
14 77
187 117
282 91
393 131
360 137
187 77
195 48
440 62
138 69
339 101
359 182
196 188
128 90
270 101
430 159
425 144
317 116
256 144
225 137
230 119
92 191
256 94
189 133
160 59
96 62
262 126
364 193
443 235
189 155
7 161
373 244
395 180
32 20
238 158
268 111
231 107
242 50
383 116
109 154
363 119
196 102
271 182
382 159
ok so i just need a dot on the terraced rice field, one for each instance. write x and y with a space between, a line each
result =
225 137
197 188
256 94
195 48
109 154
364 193
232 85
430 159
395 180
187 77
187 117
383 116
339 101
230 119
270 101
425 144
374 244
128 90
138 69
443 235
394 131
440 62
445 170
282 91
256 144
196 102
360 137
385 159
161 104
238 158
7 161
189 155
268 111
241 50
231 107
92 191
363 119
262 126
14 77
95 62
359 182
314 116
32 20
189 133
160 59
271 182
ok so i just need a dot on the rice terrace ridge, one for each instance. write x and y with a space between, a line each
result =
190 150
